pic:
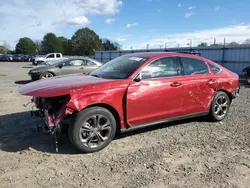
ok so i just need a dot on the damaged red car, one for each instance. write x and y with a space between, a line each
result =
133 91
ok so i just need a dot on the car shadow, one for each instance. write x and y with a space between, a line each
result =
27 67
161 126
19 133
21 82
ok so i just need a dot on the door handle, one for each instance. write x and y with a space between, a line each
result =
175 84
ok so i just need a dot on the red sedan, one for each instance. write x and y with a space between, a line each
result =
133 91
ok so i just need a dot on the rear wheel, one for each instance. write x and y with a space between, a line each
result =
94 128
220 106
248 80
46 75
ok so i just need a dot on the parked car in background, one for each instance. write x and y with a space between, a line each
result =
28 58
64 66
18 57
6 57
133 91
48 57
246 73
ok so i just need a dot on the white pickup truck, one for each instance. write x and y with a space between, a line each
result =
47 57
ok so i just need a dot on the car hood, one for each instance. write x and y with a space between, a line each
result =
58 86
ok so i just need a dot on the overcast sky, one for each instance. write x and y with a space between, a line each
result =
133 23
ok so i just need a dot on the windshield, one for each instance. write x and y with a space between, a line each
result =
119 68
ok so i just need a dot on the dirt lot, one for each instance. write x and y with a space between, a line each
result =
193 153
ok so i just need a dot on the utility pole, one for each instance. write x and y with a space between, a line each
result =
147 47
165 46
214 40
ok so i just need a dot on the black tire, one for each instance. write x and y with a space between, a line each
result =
214 116
248 80
83 117
46 75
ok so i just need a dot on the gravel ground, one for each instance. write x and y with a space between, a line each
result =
193 153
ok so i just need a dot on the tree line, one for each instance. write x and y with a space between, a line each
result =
83 43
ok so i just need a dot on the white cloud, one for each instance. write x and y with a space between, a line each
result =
131 25
121 39
20 18
191 7
179 5
109 20
80 20
217 8
189 14
237 33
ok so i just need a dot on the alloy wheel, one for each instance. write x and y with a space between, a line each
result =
221 107
47 75
95 131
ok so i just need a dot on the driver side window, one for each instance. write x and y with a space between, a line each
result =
161 68
50 56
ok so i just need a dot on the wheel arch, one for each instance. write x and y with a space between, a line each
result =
230 95
48 71
112 110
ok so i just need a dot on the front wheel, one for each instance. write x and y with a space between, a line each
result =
46 75
94 128
220 106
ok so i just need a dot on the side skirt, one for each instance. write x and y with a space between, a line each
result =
163 121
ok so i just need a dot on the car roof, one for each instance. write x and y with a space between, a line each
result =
165 54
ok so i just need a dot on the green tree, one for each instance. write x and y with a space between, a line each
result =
202 44
25 46
66 44
51 44
247 41
38 47
2 50
119 46
85 42
234 43
108 45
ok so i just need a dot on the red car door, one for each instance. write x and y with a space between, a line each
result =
158 94
198 86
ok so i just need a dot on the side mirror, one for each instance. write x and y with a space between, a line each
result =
138 78
60 66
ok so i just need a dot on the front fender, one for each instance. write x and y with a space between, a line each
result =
79 102
111 97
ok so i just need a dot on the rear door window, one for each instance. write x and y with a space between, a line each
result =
77 62
193 66
89 63
58 55
214 68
